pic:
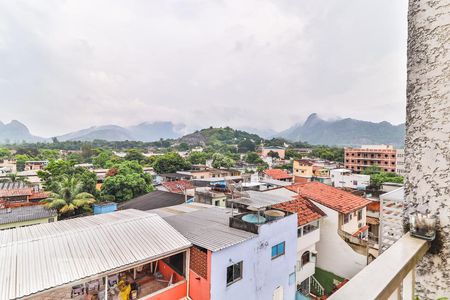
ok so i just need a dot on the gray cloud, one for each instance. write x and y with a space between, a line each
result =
258 63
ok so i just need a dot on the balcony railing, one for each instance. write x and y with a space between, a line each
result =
391 276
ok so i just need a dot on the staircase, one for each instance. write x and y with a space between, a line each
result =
316 288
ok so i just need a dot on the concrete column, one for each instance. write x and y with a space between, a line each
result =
427 148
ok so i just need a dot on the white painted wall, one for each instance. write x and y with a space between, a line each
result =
306 242
334 254
261 275
344 178
354 225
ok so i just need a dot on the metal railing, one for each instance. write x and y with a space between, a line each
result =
390 276
317 287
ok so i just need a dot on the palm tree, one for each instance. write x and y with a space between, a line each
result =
67 197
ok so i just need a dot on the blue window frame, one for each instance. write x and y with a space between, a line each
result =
278 250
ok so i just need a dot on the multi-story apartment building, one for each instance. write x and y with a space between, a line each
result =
400 162
358 159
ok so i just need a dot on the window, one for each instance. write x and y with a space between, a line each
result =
299 232
278 250
310 227
305 258
347 218
234 273
359 214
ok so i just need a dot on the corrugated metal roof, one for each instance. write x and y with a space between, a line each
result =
25 213
12 185
209 228
40 257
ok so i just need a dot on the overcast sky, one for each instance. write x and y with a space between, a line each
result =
65 65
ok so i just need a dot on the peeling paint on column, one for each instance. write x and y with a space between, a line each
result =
427 146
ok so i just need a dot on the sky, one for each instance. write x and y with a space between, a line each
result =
71 64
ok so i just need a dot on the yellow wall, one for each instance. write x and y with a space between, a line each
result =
302 170
27 223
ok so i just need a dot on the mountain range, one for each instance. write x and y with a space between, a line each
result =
342 132
345 132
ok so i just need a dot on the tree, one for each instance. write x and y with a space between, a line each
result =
68 197
57 170
105 159
253 158
20 161
48 154
197 158
246 145
4 153
135 155
377 179
371 170
222 161
170 163
273 154
127 181
292 153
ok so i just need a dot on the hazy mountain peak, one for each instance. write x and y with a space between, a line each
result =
345 132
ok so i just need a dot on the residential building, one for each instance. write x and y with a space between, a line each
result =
344 178
391 217
400 162
306 170
303 170
215 195
277 174
173 177
359 159
19 193
179 187
137 246
35 165
153 200
206 173
8 166
235 258
280 150
14 217
308 235
343 246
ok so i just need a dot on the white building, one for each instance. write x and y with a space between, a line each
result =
344 178
391 217
342 248
400 162
244 260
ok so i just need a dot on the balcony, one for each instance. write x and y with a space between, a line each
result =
154 280
391 276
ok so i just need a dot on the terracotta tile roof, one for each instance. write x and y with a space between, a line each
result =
330 197
305 209
16 192
374 206
361 230
277 174
178 186
39 195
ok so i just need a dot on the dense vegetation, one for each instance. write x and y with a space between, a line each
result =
378 177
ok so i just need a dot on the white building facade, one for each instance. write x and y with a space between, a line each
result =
344 178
